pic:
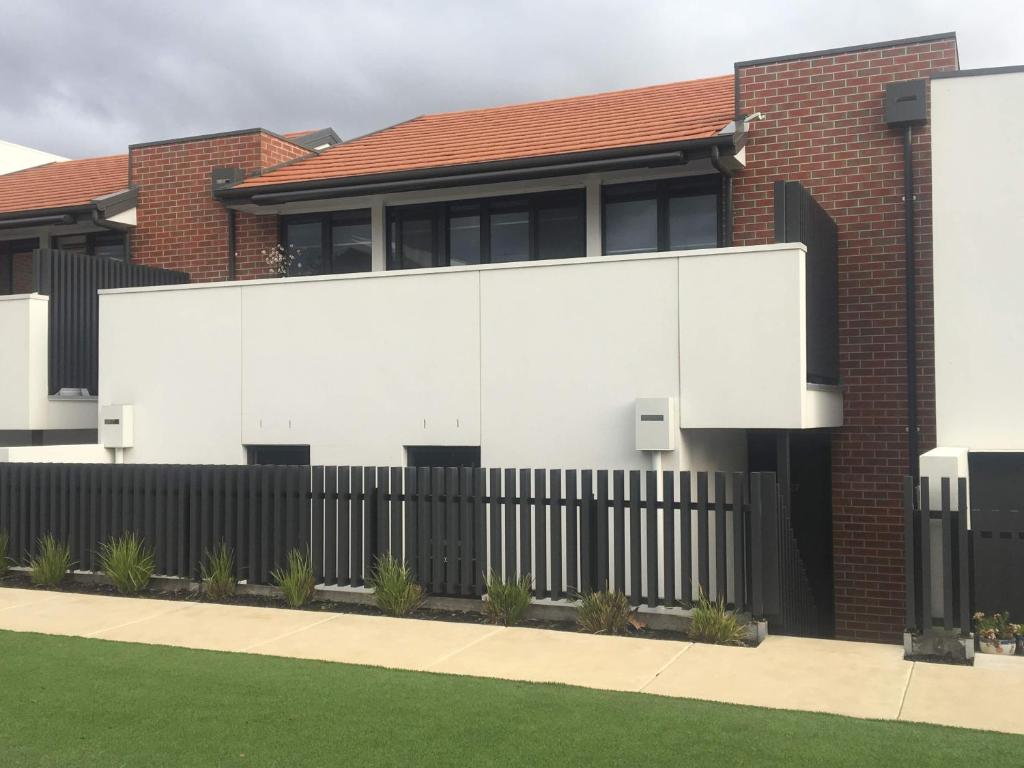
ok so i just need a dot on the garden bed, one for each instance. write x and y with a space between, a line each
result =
559 617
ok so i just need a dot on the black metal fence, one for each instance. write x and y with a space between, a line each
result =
72 280
953 556
800 219
657 537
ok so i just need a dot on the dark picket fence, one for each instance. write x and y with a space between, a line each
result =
978 564
650 535
920 512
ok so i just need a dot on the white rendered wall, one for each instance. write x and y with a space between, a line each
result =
15 157
538 363
57 454
24 397
979 263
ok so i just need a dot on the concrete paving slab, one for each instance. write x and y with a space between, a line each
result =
856 679
985 696
548 656
11 598
378 641
215 627
82 615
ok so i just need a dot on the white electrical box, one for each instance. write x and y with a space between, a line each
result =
655 424
117 426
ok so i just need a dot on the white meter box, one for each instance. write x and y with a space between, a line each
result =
117 426
655 424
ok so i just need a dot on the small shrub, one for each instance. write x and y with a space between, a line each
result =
507 601
297 580
5 541
51 563
128 562
712 623
394 588
604 612
218 572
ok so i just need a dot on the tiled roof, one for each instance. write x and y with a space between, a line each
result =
62 185
642 116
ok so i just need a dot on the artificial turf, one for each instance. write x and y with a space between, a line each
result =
77 702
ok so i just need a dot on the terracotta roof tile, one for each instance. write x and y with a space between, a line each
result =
62 185
654 115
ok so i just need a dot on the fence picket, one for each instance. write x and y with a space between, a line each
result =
555 517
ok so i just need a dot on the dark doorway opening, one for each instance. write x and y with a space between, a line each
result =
802 459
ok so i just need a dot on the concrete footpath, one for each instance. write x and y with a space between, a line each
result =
855 679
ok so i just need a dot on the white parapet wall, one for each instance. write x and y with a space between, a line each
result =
978 262
57 454
25 403
538 363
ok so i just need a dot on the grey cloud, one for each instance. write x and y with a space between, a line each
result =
85 78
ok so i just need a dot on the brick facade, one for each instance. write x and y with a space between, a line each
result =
180 224
825 127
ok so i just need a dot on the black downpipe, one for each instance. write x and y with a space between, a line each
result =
911 299
726 197
232 256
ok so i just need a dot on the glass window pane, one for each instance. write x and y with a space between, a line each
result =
692 222
631 226
464 240
304 241
510 236
71 243
561 233
417 243
109 246
350 247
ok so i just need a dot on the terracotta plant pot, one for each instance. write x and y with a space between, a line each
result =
1000 647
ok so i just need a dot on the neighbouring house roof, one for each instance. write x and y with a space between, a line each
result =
656 115
68 184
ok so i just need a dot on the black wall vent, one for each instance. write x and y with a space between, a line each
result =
905 102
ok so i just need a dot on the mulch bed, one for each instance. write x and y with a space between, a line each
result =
22 581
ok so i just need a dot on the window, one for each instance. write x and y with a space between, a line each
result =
442 455
108 245
279 454
16 272
328 244
489 231
669 215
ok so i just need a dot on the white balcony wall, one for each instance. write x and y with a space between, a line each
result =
979 265
25 404
538 363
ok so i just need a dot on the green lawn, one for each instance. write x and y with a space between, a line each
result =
76 702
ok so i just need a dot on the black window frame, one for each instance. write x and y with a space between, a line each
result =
663 191
327 221
91 241
441 213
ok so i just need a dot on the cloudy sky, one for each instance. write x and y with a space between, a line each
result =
89 77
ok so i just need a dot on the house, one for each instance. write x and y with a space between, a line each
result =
15 157
519 286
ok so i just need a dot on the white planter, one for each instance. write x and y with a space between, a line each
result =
1000 647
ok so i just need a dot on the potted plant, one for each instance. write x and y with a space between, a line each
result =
995 633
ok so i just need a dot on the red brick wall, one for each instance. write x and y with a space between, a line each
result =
180 224
825 128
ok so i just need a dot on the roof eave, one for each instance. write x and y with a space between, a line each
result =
473 173
104 206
